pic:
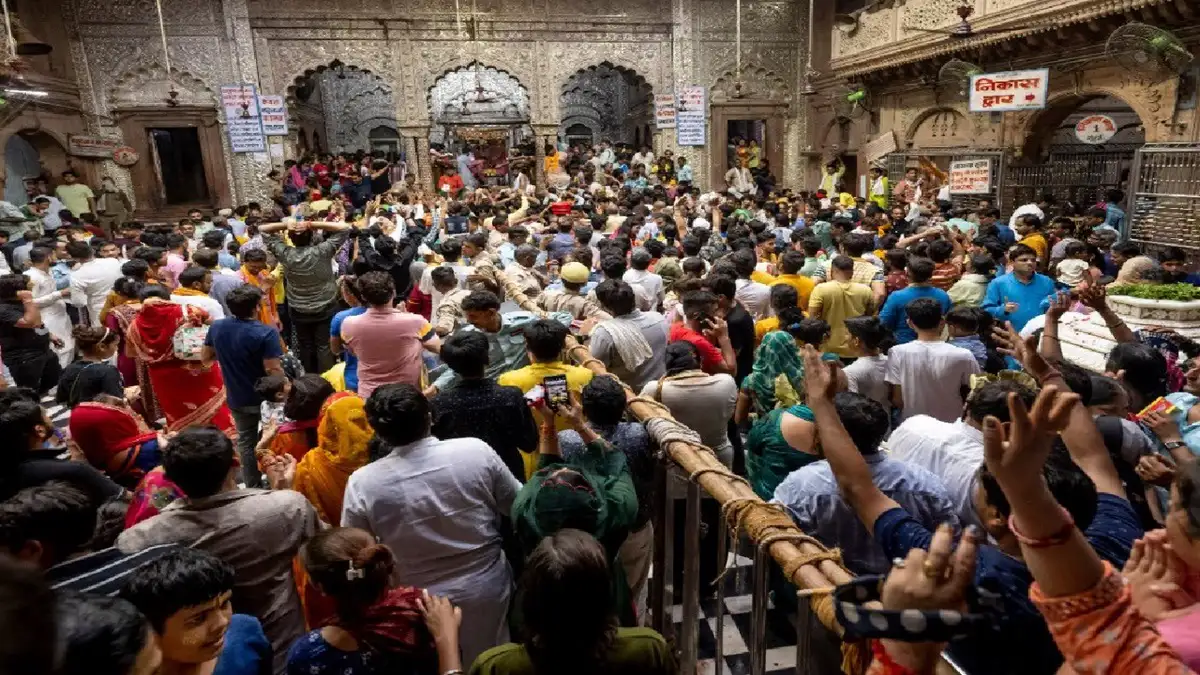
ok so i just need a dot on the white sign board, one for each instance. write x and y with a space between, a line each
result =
274 115
664 111
1012 90
242 122
1096 129
92 146
690 117
971 177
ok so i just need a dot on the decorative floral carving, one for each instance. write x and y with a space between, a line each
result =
874 29
930 14
757 83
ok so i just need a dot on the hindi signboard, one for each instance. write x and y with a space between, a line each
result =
91 146
1096 129
664 111
971 177
1012 90
690 117
242 122
273 112
884 145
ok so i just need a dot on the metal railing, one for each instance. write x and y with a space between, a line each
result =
775 540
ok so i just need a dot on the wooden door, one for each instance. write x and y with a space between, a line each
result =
149 190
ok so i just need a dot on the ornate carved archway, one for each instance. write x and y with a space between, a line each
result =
618 99
476 93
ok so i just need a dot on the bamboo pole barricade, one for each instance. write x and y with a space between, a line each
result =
805 562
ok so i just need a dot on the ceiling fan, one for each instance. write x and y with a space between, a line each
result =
963 28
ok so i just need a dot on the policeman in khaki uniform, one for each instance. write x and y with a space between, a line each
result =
569 298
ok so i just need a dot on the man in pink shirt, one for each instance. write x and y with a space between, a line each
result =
177 252
387 341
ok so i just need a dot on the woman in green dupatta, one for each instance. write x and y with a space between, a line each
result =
783 437
592 492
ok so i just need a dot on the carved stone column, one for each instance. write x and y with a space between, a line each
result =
410 155
544 134
416 146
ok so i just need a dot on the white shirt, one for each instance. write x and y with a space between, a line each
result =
868 376
1026 210
644 160
204 302
437 505
930 375
951 450
755 297
651 284
91 284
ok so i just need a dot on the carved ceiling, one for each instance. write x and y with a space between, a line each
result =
478 94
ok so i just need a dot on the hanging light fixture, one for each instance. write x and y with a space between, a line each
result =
172 94
809 72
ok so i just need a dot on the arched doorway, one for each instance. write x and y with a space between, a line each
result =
335 101
1077 168
384 141
617 99
481 112
28 157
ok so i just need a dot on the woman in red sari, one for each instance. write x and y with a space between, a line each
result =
188 392
122 307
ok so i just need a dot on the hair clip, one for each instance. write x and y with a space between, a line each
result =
794 326
353 573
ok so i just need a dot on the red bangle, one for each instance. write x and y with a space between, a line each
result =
887 665
1057 539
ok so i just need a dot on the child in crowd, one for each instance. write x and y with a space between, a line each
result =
966 327
971 289
274 391
1073 270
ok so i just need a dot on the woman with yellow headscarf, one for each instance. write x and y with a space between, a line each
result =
342 439
321 476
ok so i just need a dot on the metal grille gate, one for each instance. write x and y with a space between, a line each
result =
897 162
1079 176
1165 183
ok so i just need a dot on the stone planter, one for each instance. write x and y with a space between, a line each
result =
1086 341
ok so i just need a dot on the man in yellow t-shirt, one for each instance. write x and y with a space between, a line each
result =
789 268
837 300
545 340
75 196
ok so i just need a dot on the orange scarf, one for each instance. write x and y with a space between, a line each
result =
268 310
188 291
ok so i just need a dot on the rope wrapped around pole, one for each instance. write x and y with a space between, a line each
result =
805 562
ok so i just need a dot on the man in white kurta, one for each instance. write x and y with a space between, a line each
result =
51 302
437 504
92 281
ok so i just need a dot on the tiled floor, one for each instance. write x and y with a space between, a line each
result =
735 614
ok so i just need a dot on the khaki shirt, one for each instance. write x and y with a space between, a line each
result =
525 280
571 302
449 316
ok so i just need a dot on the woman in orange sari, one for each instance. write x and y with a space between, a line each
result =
342 439
189 392
321 476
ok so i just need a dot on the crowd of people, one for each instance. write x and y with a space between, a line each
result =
341 433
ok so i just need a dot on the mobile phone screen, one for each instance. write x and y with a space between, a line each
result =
556 390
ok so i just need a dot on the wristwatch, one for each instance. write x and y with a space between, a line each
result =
1171 445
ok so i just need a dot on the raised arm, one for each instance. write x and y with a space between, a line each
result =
847 463
1096 297
1051 348
1082 438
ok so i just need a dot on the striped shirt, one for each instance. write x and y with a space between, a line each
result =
103 572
